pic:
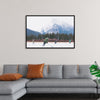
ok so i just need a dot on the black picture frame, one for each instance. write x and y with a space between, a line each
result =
48 47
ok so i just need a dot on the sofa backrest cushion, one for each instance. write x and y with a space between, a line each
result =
49 71
70 71
45 71
54 71
10 68
23 69
84 71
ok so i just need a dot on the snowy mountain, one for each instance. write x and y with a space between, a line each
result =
55 28
31 32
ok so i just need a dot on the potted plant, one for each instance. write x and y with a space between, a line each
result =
94 70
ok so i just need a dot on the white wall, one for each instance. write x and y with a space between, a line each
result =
12 31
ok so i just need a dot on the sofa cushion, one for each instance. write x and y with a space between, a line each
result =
55 71
45 71
84 72
15 96
10 87
70 71
62 90
22 69
61 83
10 68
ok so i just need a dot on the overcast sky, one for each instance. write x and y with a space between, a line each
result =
37 23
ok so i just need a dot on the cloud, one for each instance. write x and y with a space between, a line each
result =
37 23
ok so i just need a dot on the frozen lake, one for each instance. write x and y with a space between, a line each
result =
49 44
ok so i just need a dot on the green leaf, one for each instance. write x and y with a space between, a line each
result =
93 67
98 75
95 72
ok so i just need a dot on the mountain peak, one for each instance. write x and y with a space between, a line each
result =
56 28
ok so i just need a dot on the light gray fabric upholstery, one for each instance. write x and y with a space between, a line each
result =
98 85
52 81
70 71
98 90
61 90
61 83
15 96
84 71
45 72
10 87
10 68
55 71
22 69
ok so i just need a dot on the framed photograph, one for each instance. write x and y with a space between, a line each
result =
50 31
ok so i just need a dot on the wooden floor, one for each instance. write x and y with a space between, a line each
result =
59 97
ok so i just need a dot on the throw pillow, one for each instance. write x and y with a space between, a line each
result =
35 71
10 76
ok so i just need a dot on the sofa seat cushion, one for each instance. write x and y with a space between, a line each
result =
61 90
10 87
15 96
64 83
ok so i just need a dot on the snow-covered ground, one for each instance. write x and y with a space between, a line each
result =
49 44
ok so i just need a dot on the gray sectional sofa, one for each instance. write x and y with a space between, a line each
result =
59 79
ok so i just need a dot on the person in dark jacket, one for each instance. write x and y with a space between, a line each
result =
45 41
